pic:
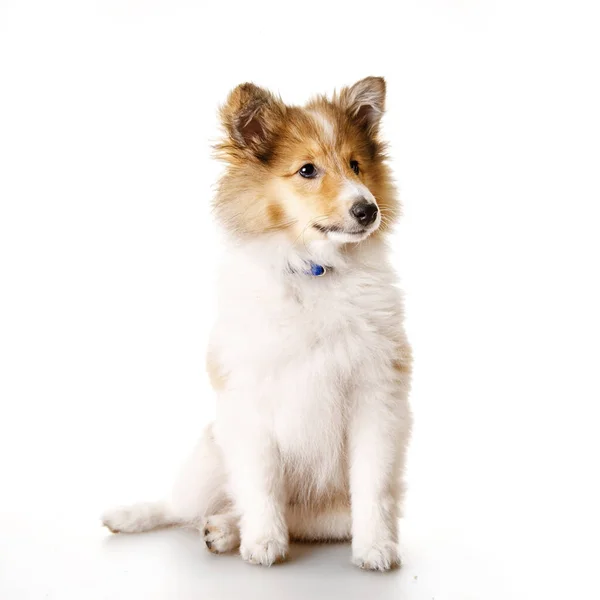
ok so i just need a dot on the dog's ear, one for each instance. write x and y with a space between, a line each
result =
251 117
365 102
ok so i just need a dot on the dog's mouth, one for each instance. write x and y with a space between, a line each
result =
337 229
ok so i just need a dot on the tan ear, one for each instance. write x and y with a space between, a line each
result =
365 102
251 116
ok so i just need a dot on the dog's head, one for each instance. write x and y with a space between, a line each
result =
317 172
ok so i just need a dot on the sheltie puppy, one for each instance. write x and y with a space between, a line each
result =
308 358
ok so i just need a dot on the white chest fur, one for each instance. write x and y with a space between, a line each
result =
294 346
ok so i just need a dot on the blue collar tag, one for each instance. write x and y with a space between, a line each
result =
317 270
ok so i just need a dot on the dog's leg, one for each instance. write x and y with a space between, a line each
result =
256 483
328 524
332 523
379 432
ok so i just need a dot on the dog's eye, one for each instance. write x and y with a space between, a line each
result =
354 166
309 170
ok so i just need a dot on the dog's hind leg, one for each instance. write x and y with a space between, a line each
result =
198 491
221 532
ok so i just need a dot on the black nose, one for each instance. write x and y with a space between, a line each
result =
364 212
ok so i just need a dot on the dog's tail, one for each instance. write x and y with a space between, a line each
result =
143 516
198 492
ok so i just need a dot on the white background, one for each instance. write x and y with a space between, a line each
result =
108 257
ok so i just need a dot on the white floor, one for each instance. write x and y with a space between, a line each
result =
74 560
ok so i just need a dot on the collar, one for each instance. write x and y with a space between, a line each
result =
316 270
312 269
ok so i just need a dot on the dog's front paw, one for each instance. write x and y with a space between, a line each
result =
266 551
377 557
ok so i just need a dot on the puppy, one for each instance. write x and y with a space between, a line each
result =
308 357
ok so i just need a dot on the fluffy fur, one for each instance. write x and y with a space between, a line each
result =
311 373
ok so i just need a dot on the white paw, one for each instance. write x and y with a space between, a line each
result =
378 557
264 552
221 533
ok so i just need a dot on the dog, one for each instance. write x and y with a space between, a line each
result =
308 357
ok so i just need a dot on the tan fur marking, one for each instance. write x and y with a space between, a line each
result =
217 378
276 215
403 363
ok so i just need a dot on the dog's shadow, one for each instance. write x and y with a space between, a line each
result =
311 570
309 551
